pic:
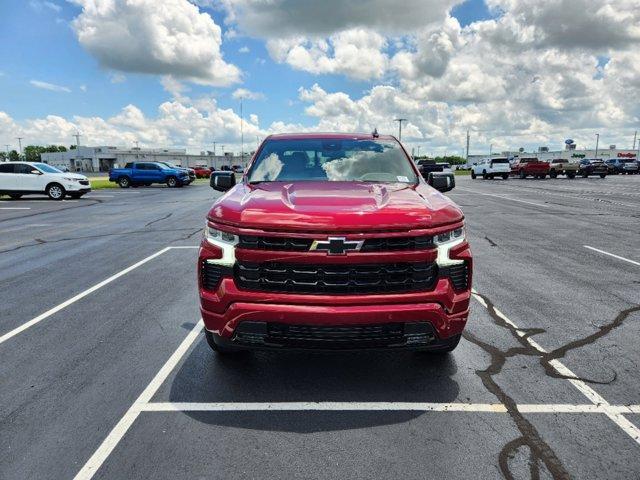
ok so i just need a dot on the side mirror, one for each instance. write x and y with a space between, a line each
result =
442 182
35 172
222 181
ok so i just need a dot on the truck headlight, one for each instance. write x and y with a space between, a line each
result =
449 237
445 241
216 236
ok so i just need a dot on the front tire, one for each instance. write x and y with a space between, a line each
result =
473 175
124 182
553 174
172 182
522 175
571 175
55 191
602 175
505 176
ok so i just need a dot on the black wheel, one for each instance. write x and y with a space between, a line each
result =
602 175
571 175
76 195
585 175
55 191
473 175
522 174
491 176
542 177
172 182
217 347
124 182
15 196
553 174
505 176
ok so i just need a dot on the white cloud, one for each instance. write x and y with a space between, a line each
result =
244 49
247 94
49 86
171 37
40 6
288 18
117 78
356 53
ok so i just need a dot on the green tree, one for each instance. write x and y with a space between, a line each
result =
13 156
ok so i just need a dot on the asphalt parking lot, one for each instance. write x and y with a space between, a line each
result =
105 372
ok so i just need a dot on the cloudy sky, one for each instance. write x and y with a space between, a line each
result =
172 72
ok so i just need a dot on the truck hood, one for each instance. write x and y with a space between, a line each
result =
334 206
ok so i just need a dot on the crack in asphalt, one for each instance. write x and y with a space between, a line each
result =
491 242
39 241
158 219
539 450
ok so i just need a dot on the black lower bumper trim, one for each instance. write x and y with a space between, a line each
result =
279 336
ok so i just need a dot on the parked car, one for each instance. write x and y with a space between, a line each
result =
622 166
592 166
489 168
524 167
429 169
35 178
333 241
562 166
190 171
237 168
202 171
147 173
225 168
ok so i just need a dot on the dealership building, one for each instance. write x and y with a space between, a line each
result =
569 153
102 159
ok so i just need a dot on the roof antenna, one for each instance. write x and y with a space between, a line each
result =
375 133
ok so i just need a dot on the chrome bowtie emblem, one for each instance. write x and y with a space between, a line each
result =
337 245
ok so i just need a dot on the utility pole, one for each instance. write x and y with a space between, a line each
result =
77 135
467 156
418 150
490 150
241 134
214 149
635 135
137 145
7 145
19 145
597 142
400 120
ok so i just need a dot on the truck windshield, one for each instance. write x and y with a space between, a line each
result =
334 160
499 160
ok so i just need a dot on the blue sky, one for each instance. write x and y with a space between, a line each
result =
448 70
48 51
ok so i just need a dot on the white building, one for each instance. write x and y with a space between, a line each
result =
570 154
101 159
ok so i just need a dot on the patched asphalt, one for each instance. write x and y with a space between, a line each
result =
68 380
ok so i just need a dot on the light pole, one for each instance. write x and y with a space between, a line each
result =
490 150
214 149
597 142
400 120
19 145
418 150
241 134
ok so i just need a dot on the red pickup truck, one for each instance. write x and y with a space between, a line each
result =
333 241
524 167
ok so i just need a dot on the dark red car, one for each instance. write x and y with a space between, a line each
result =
333 241
525 167
202 171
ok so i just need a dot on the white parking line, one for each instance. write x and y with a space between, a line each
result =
379 406
109 443
612 255
15 208
628 427
504 197
82 294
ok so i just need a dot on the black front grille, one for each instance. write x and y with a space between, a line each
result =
338 337
212 275
459 275
304 244
336 278
84 182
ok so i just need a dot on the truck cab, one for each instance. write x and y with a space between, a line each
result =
529 166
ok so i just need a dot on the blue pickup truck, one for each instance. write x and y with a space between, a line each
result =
146 173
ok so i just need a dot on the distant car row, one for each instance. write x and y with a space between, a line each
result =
490 168
147 173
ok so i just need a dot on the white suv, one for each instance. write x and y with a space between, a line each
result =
26 178
491 167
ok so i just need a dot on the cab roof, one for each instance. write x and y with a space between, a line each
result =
328 135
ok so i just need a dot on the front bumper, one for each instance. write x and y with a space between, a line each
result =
438 314
76 187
